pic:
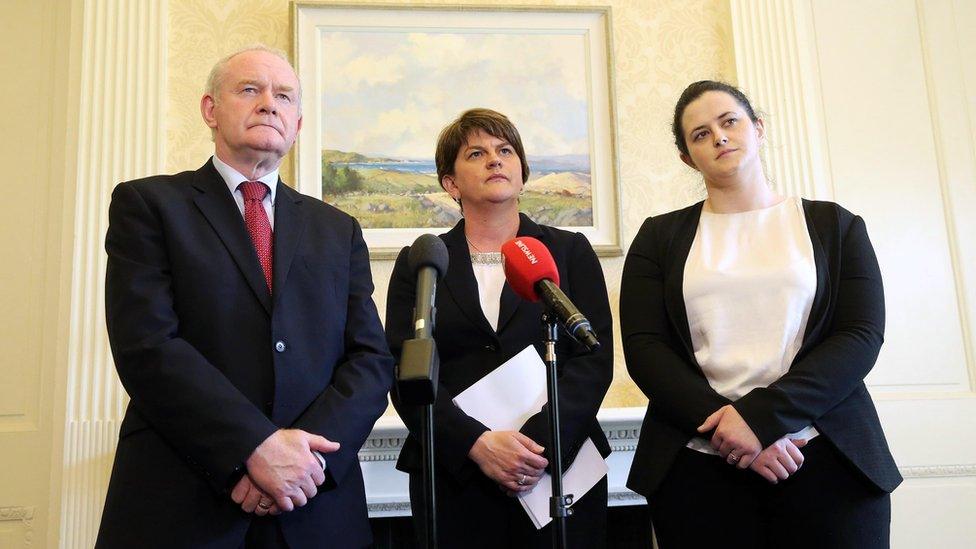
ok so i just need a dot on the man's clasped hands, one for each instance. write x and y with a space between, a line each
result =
283 473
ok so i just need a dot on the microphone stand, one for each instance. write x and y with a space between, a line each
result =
430 507
419 362
417 385
558 503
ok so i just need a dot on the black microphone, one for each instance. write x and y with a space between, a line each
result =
531 272
576 324
428 261
417 371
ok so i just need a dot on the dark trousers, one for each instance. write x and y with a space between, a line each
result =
477 514
264 533
705 502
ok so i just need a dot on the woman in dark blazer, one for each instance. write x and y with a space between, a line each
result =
480 324
732 454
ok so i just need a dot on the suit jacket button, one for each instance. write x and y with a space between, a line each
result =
491 348
280 346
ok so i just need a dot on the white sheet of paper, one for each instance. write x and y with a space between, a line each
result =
512 393
503 400
585 471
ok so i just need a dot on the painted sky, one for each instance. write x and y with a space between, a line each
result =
391 93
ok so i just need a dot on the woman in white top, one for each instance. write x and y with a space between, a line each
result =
480 324
750 320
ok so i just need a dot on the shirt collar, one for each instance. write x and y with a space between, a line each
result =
233 178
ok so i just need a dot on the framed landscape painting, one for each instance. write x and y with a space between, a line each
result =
380 82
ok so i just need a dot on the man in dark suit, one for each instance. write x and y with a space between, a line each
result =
242 325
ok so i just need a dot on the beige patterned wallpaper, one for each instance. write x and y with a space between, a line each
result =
659 46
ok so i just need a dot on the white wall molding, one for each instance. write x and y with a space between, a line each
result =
389 509
776 65
619 499
939 471
945 65
121 106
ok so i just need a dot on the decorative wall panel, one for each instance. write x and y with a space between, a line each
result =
776 66
120 137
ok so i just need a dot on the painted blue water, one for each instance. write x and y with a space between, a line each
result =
540 167
406 166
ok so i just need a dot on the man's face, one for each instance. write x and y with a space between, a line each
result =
257 112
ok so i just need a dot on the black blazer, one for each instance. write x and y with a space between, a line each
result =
213 364
469 349
825 383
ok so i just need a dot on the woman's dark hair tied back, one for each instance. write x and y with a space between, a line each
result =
694 91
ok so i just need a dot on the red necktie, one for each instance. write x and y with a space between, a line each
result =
258 225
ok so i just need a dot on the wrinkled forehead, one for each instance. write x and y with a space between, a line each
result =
260 66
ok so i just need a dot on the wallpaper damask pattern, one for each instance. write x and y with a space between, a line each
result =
201 32
659 46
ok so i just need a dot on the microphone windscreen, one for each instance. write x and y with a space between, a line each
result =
527 261
428 251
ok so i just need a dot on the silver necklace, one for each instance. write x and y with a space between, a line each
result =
484 258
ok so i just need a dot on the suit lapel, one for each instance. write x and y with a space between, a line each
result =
819 307
288 229
681 243
510 303
460 281
218 207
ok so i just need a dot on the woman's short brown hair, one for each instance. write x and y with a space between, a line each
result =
455 135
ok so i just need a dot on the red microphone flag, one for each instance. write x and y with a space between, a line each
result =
527 261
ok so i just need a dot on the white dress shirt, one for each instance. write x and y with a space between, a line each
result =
490 276
234 178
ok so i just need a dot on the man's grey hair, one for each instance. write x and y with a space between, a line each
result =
216 76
